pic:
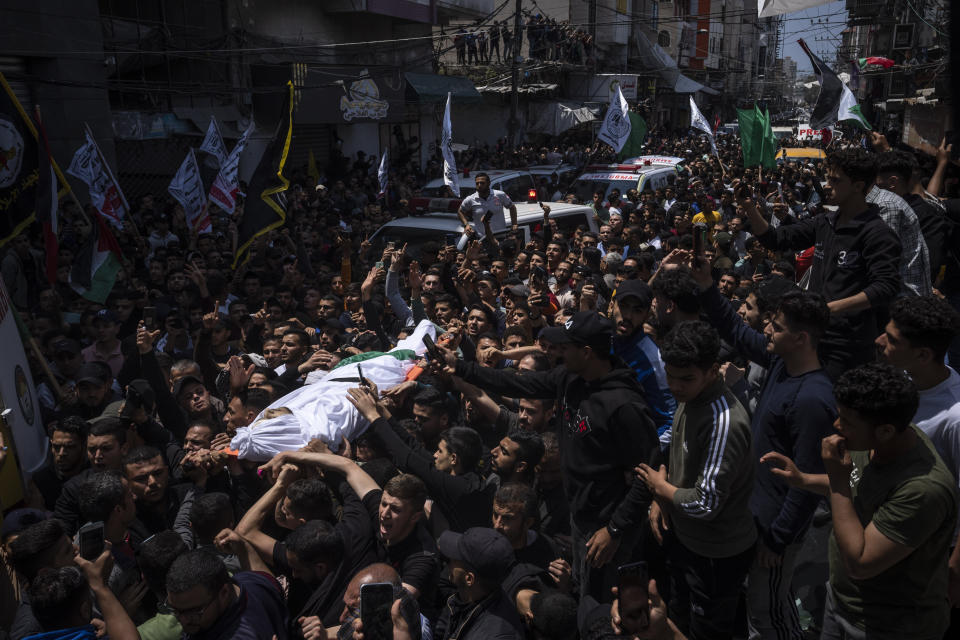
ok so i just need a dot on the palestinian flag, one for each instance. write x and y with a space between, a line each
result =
97 263
836 102
265 208
886 63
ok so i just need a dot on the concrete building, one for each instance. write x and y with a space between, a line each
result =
146 76
911 98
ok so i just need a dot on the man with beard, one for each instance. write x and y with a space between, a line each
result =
106 446
605 429
157 502
194 399
68 445
631 308
674 297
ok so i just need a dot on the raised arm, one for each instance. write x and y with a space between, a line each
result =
359 480
250 526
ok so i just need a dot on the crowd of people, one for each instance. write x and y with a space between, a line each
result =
689 383
548 40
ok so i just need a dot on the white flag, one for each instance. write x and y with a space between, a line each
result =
450 177
105 194
697 121
382 173
213 142
187 189
616 124
223 192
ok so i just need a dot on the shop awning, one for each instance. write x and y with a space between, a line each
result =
430 87
656 59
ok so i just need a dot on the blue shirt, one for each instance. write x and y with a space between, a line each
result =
642 355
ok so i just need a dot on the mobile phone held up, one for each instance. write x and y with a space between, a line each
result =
432 349
699 240
91 540
376 599
633 597
363 381
150 318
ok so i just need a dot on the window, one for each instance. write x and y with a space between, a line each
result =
663 39
517 188
622 6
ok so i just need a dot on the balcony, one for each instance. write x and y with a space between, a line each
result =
424 11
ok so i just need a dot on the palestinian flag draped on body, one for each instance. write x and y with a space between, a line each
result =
96 263
89 165
223 192
19 166
756 138
265 208
835 103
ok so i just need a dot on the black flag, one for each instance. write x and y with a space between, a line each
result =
265 208
19 166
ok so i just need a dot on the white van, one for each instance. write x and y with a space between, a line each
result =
445 228
643 173
434 196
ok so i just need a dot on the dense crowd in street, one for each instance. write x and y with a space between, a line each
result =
721 364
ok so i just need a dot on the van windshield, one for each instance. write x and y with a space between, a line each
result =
413 237
443 192
584 188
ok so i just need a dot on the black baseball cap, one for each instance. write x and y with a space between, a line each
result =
66 345
634 289
587 328
485 551
96 372
182 382
105 315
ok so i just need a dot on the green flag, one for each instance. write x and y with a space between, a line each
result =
638 131
756 138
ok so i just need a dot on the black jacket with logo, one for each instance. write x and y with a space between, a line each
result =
605 430
862 254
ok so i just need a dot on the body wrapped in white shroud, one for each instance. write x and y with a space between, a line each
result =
321 409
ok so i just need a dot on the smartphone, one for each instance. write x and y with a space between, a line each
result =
538 275
699 238
91 540
633 596
376 599
150 318
379 264
363 381
432 349
780 192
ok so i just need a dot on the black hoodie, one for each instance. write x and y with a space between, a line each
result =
605 430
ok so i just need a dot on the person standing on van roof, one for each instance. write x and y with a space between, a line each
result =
487 202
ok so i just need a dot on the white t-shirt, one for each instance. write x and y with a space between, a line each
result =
938 416
475 207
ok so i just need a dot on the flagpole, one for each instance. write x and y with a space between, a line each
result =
57 389
60 176
106 166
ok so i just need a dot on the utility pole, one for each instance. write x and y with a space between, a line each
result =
515 78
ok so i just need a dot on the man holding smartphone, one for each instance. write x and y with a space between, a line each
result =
487 204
